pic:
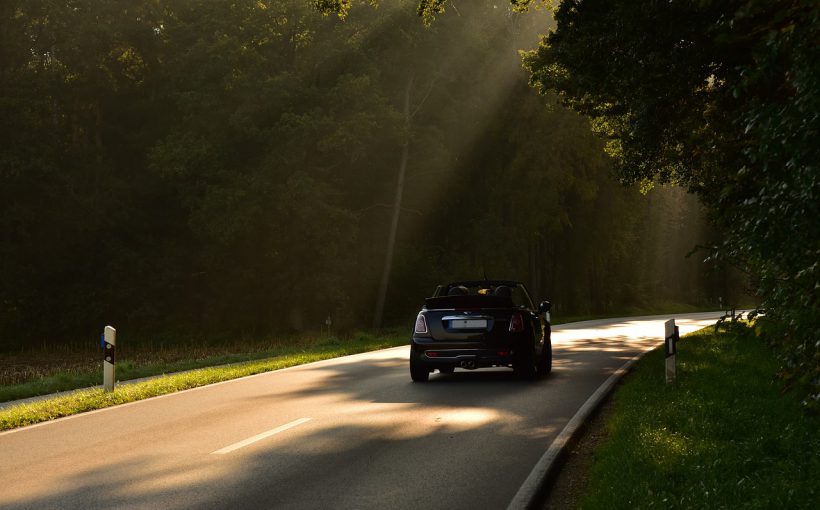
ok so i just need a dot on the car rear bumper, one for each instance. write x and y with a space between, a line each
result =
461 354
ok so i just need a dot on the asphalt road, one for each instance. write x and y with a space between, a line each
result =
353 432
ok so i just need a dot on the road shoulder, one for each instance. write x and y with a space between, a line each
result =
569 485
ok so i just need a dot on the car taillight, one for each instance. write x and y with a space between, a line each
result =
421 324
516 323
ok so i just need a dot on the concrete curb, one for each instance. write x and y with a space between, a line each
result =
530 493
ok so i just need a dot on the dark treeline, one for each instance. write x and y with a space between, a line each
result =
199 167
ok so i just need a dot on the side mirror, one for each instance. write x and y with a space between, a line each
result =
545 306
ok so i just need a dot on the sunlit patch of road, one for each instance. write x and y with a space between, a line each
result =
622 336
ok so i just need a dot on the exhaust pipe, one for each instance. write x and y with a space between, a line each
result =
469 365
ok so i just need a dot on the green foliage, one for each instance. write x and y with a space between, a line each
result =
429 9
772 201
721 437
338 7
721 97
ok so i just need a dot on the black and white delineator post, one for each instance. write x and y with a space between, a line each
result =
109 348
671 348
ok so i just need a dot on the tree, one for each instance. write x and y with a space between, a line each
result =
720 97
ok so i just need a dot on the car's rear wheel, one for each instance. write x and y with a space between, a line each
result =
525 366
418 369
545 363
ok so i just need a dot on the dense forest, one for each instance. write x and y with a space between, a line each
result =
199 167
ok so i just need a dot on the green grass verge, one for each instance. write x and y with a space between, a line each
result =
91 399
722 436
149 361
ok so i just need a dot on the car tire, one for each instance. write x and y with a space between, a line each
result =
418 369
545 363
526 366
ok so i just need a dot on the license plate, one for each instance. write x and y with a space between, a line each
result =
468 323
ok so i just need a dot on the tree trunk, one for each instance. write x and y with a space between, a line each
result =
394 224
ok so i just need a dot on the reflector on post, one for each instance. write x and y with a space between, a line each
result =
110 358
671 348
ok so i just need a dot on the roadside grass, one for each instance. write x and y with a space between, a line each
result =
95 398
722 436
43 372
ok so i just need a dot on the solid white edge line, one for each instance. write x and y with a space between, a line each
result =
529 490
259 437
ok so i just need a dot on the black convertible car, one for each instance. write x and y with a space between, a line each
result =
483 323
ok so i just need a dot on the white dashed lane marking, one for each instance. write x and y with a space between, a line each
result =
259 437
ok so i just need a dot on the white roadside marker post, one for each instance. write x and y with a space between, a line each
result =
671 348
109 343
